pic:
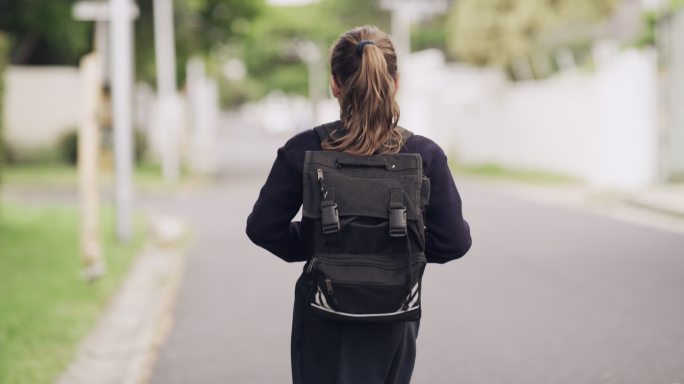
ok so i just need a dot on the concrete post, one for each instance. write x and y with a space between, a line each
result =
167 119
122 83
203 108
93 265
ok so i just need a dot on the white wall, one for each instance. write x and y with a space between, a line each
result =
627 146
546 126
41 103
600 128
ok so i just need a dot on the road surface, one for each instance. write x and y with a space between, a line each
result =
546 295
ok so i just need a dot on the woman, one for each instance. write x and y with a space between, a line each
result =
364 80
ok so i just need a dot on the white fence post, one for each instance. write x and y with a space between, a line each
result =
627 142
203 116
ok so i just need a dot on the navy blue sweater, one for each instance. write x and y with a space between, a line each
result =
271 227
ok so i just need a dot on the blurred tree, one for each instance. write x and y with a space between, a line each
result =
650 19
271 50
346 14
430 34
499 32
202 27
44 32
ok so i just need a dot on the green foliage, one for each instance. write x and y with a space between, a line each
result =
202 27
648 32
496 171
430 34
44 32
139 146
45 307
270 49
67 147
232 93
346 14
650 19
499 32
44 175
61 176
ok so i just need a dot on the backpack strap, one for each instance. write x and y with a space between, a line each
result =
325 131
406 135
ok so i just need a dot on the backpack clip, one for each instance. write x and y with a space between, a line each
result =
397 213
330 218
397 222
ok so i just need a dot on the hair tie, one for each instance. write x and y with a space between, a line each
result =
360 45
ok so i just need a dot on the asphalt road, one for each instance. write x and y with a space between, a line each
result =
546 295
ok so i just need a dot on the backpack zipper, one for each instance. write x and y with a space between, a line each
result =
370 263
329 287
311 265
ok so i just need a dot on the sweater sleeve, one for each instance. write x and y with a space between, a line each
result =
447 233
270 224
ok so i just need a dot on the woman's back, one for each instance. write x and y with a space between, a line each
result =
325 351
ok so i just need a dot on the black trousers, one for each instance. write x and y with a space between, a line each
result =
328 352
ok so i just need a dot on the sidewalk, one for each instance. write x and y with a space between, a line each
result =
666 198
658 206
122 347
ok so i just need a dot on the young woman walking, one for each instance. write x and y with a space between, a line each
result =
365 81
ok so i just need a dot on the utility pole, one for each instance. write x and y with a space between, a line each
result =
121 32
403 14
94 72
167 100
309 52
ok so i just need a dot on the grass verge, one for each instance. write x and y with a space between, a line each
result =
521 175
45 307
63 175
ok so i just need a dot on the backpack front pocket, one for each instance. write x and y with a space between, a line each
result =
355 287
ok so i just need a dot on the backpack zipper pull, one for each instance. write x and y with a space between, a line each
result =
328 284
311 265
324 192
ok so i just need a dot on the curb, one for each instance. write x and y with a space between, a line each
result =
122 348
647 210
665 205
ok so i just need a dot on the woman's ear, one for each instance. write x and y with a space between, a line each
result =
333 85
396 84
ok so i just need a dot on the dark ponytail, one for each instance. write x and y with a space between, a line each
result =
364 65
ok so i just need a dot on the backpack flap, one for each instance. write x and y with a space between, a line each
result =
362 185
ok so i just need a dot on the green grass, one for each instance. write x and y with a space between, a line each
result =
45 307
66 176
520 175
40 174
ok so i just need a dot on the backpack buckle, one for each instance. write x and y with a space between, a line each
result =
330 218
397 222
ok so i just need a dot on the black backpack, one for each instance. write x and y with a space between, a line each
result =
367 239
